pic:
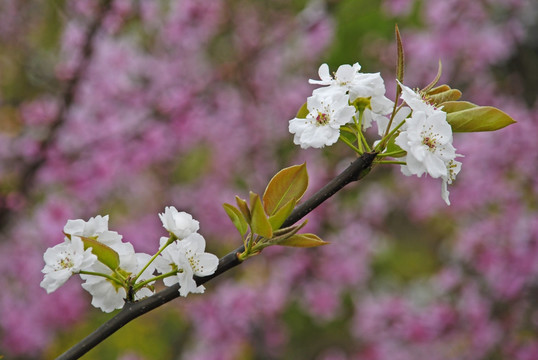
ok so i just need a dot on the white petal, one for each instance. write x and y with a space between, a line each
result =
208 263
414 166
74 227
194 242
345 73
324 75
55 279
435 166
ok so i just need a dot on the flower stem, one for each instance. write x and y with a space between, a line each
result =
386 138
171 239
348 143
390 162
395 109
361 135
392 153
102 275
359 132
140 285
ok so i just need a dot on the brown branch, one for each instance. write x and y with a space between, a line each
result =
355 171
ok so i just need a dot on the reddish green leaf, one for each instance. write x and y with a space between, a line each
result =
237 218
104 253
282 214
259 223
303 240
439 89
479 118
442 97
401 56
243 207
289 183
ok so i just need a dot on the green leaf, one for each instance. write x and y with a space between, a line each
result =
453 106
303 240
303 112
243 207
348 134
282 214
479 118
104 253
438 90
393 148
289 183
237 218
442 97
259 223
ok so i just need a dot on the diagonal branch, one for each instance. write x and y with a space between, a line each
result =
354 172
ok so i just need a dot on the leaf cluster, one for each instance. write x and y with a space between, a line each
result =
260 219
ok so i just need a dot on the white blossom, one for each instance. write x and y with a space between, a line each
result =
416 101
188 258
107 294
63 260
453 169
93 227
181 224
368 89
322 124
343 77
428 142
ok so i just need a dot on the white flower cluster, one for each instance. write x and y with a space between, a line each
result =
186 257
329 107
183 256
423 131
427 139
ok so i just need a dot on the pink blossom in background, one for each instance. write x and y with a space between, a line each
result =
190 107
138 114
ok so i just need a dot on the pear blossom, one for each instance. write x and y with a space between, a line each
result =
108 295
453 169
367 89
416 101
188 258
64 260
344 76
322 124
91 228
95 227
428 142
181 224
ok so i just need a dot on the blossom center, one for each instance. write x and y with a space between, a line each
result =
65 263
194 262
429 142
322 119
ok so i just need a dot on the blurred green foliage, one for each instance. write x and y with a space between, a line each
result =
158 335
